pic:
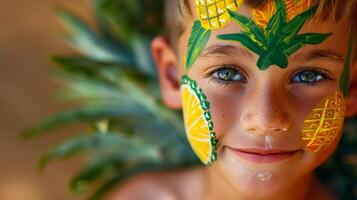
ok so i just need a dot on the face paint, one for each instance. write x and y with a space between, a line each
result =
325 122
279 39
198 121
345 76
273 40
262 14
213 15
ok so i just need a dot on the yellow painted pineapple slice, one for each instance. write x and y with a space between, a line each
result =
324 123
262 14
197 119
213 14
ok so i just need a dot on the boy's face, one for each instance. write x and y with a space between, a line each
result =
259 115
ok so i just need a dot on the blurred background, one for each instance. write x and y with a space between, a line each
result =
112 89
29 34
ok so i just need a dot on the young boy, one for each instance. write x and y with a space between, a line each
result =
262 85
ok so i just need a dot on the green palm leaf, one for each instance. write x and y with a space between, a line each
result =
90 43
93 171
84 114
127 149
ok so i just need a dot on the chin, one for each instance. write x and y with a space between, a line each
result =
260 180
255 188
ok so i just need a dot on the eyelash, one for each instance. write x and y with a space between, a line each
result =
318 72
220 82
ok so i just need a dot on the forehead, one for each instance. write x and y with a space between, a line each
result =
336 43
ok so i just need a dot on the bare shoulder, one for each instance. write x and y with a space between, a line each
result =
165 185
147 186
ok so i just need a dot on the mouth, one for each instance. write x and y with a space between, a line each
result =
262 156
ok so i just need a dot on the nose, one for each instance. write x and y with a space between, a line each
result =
266 114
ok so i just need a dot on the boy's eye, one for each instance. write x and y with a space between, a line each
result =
308 76
227 74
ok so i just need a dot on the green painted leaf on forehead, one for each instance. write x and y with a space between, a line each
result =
197 42
250 28
307 38
278 19
292 28
278 40
345 76
273 57
245 40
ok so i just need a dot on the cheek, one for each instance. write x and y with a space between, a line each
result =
318 130
225 111
324 123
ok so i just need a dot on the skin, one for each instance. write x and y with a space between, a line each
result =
267 105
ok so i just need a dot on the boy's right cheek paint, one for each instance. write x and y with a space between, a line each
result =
323 125
198 121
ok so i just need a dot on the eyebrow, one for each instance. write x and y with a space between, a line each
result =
231 50
225 50
316 54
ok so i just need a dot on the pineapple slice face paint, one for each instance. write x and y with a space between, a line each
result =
324 123
198 121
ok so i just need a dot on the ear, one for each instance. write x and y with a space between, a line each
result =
168 70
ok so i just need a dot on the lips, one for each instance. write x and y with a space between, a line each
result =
258 155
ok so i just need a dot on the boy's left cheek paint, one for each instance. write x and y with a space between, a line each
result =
325 122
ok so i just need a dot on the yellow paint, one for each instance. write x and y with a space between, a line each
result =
324 123
213 14
197 129
262 14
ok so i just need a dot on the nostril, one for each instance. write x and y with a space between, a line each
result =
253 130
267 131
262 125
278 130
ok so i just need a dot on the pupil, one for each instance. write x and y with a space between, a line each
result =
226 74
309 76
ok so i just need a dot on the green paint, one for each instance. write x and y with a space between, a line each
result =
197 42
345 76
207 114
278 40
